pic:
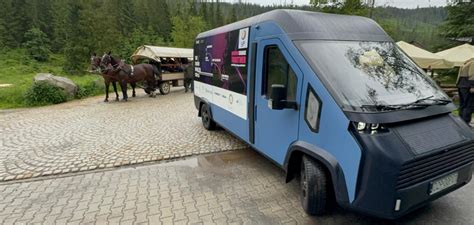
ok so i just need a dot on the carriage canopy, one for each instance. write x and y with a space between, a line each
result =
155 53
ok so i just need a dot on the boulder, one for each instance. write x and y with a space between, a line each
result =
66 84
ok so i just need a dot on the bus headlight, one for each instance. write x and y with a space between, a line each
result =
367 128
361 126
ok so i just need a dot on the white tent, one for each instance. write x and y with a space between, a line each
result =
424 58
458 55
154 53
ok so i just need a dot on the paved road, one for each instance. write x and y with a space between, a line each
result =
89 134
238 187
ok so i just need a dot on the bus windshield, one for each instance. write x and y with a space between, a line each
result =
369 73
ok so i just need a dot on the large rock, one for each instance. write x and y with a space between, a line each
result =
66 84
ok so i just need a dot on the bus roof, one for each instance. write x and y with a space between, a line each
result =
300 25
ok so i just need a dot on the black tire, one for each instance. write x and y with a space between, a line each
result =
165 88
147 91
206 118
315 192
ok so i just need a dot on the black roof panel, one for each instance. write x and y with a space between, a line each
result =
301 25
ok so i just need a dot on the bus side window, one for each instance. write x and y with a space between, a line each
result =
278 71
312 112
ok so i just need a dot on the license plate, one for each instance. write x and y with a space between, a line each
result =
443 183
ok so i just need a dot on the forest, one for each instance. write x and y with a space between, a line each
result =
77 28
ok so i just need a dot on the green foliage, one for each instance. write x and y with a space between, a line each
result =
18 69
6 36
186 29
233 16
413 25
74 59
21 20
37 44
77 28
349 7
460 21
90 88
43 93
126 21
135 39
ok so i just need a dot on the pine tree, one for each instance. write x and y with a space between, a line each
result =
59 24
5 37
212 18
179 10
141 13
185 29
37 44
21 20
74 50
126 19
233 15
460 21
160 18
192 8
219 20
42 16
203 12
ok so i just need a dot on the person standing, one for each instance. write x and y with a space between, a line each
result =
465 84
188 77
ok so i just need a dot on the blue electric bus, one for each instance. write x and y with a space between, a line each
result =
334 102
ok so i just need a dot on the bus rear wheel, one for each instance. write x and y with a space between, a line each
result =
314 183
206 118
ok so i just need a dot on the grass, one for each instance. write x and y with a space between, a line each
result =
18 69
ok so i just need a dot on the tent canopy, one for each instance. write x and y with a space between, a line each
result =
458 55
424 58
155 52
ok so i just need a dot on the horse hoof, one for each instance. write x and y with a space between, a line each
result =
106 100
125 100
117 99
133 96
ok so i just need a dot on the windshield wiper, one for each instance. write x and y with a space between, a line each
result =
412 105
379 107
436 101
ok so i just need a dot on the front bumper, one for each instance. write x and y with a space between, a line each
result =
392 168
418 195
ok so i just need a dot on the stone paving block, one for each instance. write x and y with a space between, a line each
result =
166 212
141 217
167 220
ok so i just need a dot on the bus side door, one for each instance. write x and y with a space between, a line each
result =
275 130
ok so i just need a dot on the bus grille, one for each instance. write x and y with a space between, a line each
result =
425 168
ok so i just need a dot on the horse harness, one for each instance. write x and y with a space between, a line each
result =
121 66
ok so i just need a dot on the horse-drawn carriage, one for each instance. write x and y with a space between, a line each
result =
169 60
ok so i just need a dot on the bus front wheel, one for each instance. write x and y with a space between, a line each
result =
314 183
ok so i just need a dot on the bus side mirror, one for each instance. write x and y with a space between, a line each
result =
278 100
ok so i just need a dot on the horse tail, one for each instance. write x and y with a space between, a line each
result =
156 71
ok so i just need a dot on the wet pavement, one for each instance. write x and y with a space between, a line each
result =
237 187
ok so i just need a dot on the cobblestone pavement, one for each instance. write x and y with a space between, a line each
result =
89 134
238 187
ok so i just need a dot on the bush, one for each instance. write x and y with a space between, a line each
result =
43 93
89 89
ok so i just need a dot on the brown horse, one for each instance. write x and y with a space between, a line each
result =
107 75
132 74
